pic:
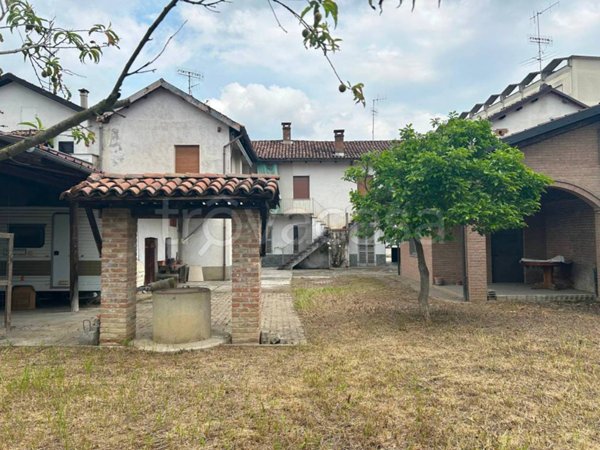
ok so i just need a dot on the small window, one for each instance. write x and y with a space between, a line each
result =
301 187
66 147
187 159
28 235
412 248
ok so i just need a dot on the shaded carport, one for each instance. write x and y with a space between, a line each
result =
34 179
245 199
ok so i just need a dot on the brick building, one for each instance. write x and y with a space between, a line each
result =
567 150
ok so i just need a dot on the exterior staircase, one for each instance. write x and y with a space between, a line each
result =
303 254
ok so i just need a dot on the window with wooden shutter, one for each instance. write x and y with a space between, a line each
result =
187 159
301 187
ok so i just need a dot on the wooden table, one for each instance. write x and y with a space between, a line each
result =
548 268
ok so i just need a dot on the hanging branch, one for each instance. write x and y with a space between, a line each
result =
109 103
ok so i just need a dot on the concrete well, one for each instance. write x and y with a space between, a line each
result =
181 315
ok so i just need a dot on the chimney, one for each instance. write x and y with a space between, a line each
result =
286 127
83 98
339 141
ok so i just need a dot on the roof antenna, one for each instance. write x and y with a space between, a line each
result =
191 75
541 41
374 112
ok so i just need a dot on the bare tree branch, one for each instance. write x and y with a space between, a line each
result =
153 60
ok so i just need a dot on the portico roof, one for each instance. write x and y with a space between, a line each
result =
186 186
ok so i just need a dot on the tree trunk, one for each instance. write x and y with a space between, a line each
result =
424 279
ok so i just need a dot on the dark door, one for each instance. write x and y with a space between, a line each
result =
507 251
150 260
296 239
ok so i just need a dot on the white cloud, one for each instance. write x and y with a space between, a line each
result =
262 109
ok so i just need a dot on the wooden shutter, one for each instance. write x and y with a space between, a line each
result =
301 187
187 159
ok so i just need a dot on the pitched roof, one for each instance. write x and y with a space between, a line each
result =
46 152
152 185
314 150
555 127
163 84
544 90
11 78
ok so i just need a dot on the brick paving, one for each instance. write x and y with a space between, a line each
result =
54 326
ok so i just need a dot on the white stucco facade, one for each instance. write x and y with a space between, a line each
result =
576 76
328 208
539 109
142 139
20 104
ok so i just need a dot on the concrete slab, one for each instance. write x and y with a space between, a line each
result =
215 340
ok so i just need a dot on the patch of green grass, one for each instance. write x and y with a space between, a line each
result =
304 298
43 379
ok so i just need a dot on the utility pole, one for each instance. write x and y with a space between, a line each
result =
538 39
374 112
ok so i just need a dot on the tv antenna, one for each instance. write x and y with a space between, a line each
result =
191 75
374 112
541 41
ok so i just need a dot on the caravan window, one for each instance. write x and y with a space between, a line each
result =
30 235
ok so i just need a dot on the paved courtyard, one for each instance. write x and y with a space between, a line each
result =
58 326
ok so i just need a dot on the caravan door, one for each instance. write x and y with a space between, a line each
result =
60 251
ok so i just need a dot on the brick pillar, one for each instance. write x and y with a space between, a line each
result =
117 310
476 246
245 275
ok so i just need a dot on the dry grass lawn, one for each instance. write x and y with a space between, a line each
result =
500 375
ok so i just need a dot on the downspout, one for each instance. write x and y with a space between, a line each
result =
100 144
229 144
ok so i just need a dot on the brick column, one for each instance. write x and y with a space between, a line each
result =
117 311
476 246
245 275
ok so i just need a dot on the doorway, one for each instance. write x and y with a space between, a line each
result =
366 251
150 259
507 251
61 243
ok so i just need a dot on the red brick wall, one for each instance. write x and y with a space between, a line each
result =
245 275
118 279
572 157
448 258
477 266
570 231
408 264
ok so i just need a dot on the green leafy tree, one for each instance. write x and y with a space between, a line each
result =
43 42
459 173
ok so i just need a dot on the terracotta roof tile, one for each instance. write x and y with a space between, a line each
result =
99 186
301 150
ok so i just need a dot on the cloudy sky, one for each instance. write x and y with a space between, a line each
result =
424 63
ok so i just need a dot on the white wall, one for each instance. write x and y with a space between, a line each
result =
579 79
546 108
283 233
20 104
327 187
144 140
